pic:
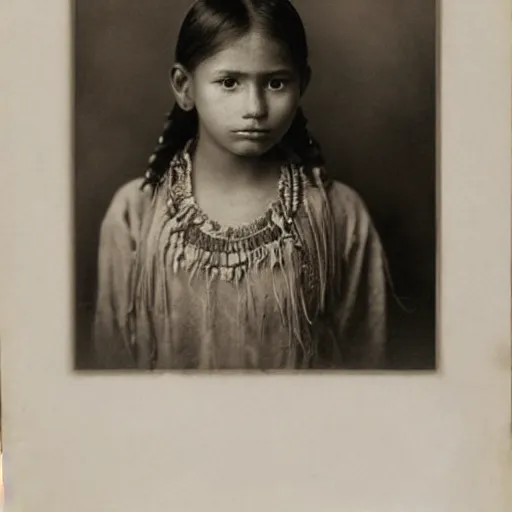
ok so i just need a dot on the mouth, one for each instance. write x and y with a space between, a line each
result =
252 133
252 130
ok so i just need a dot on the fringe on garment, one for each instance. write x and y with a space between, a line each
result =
295 240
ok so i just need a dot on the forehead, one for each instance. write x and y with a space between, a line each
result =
252 53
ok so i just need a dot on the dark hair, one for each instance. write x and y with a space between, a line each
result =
204 31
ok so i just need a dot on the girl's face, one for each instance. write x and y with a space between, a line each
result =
246 95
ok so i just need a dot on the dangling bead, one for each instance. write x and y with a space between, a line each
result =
295 192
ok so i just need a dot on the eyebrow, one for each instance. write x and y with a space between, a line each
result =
241 74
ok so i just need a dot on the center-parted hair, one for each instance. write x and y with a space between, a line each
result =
207 28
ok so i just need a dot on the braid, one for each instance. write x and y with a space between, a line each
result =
179 128
304 147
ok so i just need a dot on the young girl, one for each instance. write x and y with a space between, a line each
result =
235 251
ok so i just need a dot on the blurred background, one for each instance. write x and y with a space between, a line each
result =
371 104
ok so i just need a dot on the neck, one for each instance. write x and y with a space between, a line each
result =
230 169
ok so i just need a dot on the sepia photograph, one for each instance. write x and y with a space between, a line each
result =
255 185
264 245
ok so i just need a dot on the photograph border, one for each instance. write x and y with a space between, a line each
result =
398 312
397 441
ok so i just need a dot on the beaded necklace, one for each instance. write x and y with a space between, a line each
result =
230 251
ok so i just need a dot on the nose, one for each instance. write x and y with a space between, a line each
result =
256 104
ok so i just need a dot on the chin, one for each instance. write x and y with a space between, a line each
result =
252 149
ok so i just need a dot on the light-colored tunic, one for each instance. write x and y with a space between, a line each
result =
301 287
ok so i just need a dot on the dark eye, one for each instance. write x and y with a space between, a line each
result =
276 84
229 83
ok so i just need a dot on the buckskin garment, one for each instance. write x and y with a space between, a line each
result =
303 286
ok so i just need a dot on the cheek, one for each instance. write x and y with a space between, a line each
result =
284 107
211 102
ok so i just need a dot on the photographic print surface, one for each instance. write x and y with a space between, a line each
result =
213 261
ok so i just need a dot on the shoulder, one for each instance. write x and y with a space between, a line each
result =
352 218
130 195
348 206
127 206
345 197
343 202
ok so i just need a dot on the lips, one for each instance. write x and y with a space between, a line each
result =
252 130
254 134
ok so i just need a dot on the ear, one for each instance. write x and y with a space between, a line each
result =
306 78
181 84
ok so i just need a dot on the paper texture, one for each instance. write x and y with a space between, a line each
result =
394 442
